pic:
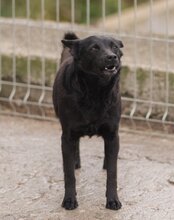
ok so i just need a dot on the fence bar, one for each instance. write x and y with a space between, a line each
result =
103 13
119 17
72 13
135 60
27 95
58 11
0 55
88 13
151 62
14 55
167 62
90 31
150 120
32 86
12 94
43 51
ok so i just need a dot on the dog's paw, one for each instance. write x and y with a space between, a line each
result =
69 203
113 204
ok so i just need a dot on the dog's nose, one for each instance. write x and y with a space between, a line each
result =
111 57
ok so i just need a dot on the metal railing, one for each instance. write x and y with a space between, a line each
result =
30 49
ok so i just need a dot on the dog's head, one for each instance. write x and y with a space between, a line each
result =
96 54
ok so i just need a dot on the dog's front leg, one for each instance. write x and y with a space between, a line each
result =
68 152
111 153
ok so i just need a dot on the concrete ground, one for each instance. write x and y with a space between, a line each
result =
31 183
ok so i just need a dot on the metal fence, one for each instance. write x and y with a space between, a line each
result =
30 50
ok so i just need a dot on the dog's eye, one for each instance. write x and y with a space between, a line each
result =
95 47
114 47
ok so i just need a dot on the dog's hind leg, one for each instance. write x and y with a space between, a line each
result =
68 151
104 160
104 164
77 157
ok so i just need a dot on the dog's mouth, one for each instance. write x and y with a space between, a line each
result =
111 68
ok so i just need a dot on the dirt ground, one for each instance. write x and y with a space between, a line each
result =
31 183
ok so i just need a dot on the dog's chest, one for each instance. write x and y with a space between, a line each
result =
94 113
91 121
89 129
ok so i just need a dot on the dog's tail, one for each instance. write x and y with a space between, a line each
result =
65 52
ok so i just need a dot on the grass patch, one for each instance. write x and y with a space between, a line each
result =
50 11
142 76
171 80
36 67
124 72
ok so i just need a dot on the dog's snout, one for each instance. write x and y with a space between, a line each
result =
111 57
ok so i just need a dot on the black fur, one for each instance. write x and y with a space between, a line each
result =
87 101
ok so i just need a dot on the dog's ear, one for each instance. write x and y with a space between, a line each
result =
69 43
119 43
73 45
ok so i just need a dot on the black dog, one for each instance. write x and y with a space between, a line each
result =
87 101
